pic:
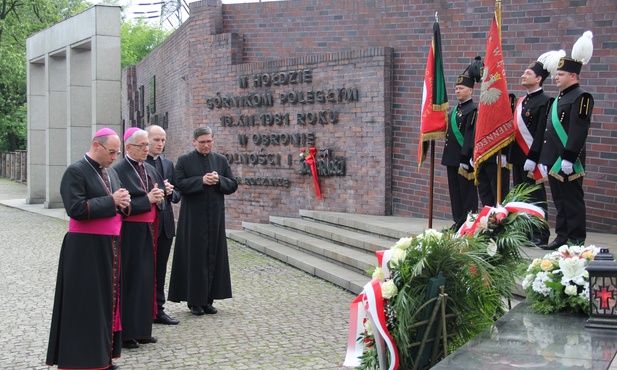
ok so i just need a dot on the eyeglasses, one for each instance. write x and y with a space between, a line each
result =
110 151
141 146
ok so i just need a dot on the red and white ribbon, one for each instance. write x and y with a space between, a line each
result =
383 257
524 139
372 308
501 212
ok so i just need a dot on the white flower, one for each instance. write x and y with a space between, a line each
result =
535 263
368 327
527 281
402 243
570 289
585 293
388 289
398 256
572 270
430 235
491 248
484 222
378 274
538 284
563 249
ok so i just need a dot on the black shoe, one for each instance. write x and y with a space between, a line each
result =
197 310
539 242
209 309
113 367
147 340
163 318
558 242
130 344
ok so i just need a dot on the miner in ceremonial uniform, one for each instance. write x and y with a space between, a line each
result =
530 123
458 148
563 152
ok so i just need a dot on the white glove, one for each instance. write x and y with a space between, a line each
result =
566 167
504 160
464 166
544 168
529 165
471 162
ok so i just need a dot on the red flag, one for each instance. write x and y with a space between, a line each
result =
494 125
434 97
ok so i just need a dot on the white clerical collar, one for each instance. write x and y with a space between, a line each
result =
155 157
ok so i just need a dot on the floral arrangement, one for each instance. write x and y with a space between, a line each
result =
479 264
559 281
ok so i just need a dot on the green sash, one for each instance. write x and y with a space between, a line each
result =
563 137
455 129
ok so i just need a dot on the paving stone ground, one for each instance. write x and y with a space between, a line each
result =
279 318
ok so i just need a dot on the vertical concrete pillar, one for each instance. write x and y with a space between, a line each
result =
73 90
37 124
55 133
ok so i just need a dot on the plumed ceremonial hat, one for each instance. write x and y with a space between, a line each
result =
550 60
472 74
582 50
539 70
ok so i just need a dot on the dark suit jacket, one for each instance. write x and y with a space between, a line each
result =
167 224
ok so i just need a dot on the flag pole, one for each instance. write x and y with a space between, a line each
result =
499 195
431 185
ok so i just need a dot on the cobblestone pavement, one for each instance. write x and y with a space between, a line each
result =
279 318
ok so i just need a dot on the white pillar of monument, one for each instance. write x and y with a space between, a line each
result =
74 82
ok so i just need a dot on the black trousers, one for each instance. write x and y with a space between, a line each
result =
487 183
519 176
162 256
569 199
463 196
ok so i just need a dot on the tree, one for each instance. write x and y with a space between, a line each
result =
138 39
18 20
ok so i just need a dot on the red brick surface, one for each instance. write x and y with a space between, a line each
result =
380 47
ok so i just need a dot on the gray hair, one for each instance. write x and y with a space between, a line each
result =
200 131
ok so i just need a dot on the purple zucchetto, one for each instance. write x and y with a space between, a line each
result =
105 132
130 132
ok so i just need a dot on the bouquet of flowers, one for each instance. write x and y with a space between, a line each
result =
559 281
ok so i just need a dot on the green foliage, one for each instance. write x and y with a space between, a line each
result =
20 19
138 39
479 271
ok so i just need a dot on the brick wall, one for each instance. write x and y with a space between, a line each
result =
380 46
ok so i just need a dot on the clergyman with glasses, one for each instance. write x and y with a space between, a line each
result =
85 325
200 267
139 229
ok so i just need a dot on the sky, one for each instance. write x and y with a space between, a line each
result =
151 9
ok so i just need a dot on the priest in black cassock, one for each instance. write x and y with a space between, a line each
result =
85 322
139 235
200 267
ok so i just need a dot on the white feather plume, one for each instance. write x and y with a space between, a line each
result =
550 60
583 48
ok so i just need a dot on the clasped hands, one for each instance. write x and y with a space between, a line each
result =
156 195
122 198
211 178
